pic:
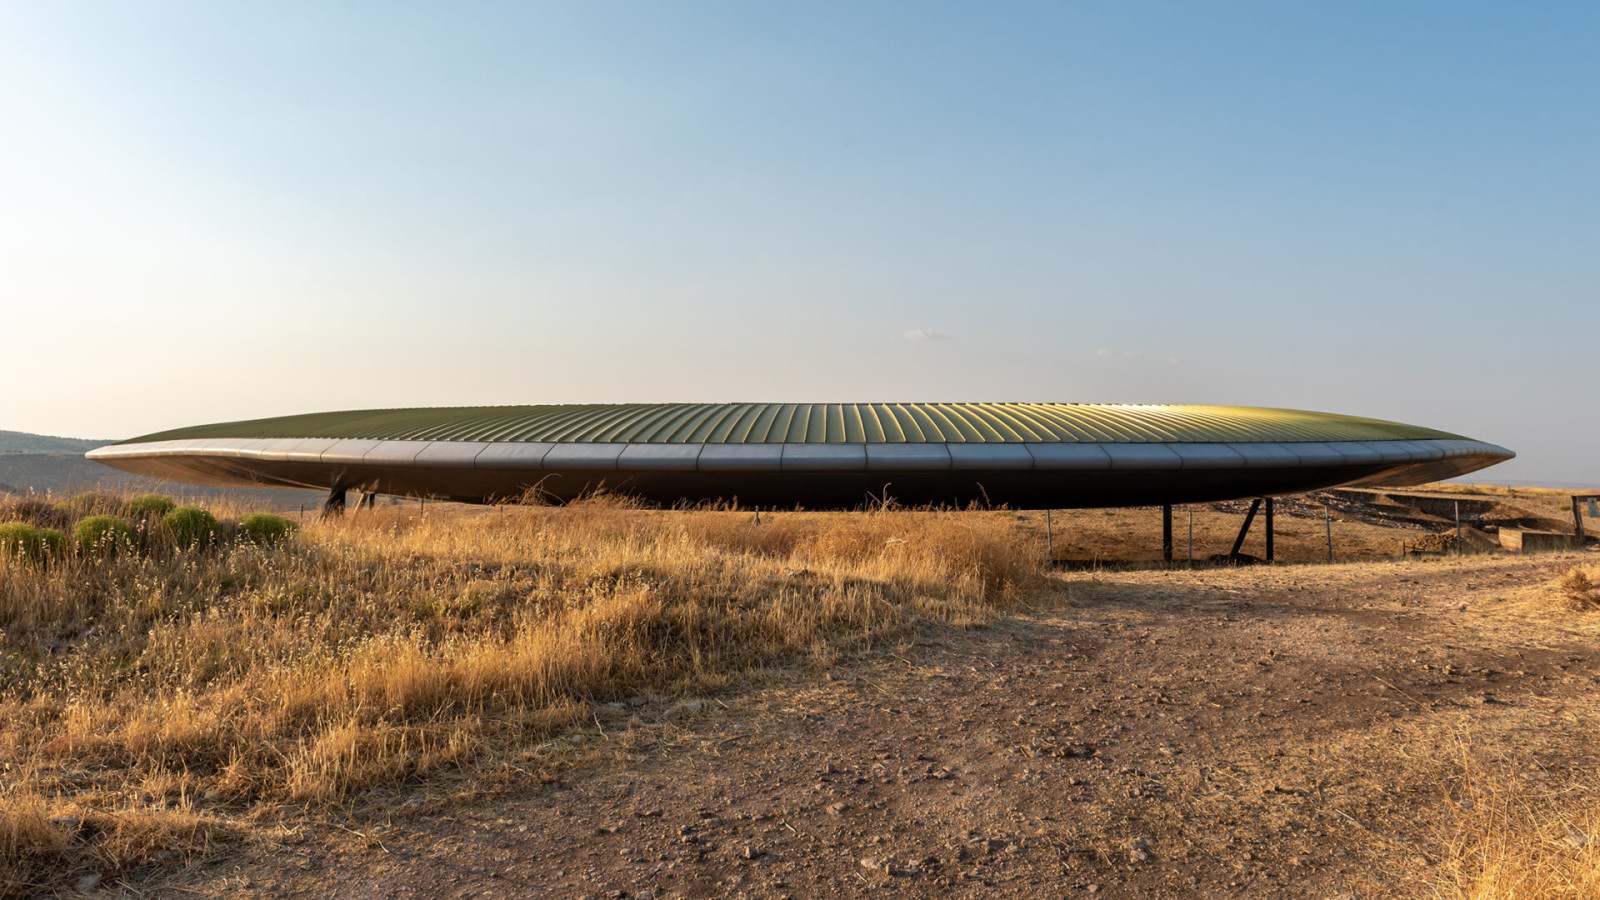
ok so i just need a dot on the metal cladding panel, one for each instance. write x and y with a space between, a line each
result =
1448 449
1466 448
660 457
1394 452
132 451
347 452
1492 450
1357 453
824 458
584 457
453 454
158 448
1207 456
740 458
1266 456
1423 451
1069 457
1316 453
1482 450
517 455
251 449
989 457
1142 457
1479 447
309 450
272 450
151 450
215 448
394 453
908 457
1384 452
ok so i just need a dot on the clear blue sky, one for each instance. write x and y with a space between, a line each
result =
213 211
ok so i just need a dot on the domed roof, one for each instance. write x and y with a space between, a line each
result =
821 423
816 455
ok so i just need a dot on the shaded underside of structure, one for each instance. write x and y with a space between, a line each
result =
818 456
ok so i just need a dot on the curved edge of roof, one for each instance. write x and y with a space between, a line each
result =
796 457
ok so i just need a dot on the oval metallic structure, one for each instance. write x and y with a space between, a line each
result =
817 456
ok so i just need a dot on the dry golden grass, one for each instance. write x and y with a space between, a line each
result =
1511 836
152 702
1508 840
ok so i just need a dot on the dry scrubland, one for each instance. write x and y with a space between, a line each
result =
160 703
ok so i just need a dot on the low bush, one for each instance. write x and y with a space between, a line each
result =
154 505
104 534
24 541
52 542
190 526
34 512
265 528
92 503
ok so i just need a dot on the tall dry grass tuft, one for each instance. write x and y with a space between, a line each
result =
1509 841
1578 590
173 690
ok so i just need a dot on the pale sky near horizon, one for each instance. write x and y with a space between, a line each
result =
220 210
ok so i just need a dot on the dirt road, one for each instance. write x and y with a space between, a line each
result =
1256 732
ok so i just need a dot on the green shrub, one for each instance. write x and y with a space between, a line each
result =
190 526
23 541
51 541
156 505
92 503
104 534
265 528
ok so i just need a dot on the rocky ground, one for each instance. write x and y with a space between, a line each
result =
1252 732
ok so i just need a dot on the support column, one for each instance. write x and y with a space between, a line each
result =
1244 530
1327 524
1269 530
1166 531
333 507
369 500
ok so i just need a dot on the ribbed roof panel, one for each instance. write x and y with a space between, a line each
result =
821 423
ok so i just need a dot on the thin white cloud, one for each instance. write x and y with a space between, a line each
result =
923 335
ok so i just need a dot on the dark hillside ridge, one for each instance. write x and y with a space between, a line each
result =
61 475
23 442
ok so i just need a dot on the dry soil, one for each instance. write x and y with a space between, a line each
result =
1219 732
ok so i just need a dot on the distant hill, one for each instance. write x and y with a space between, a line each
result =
47 466
23 442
